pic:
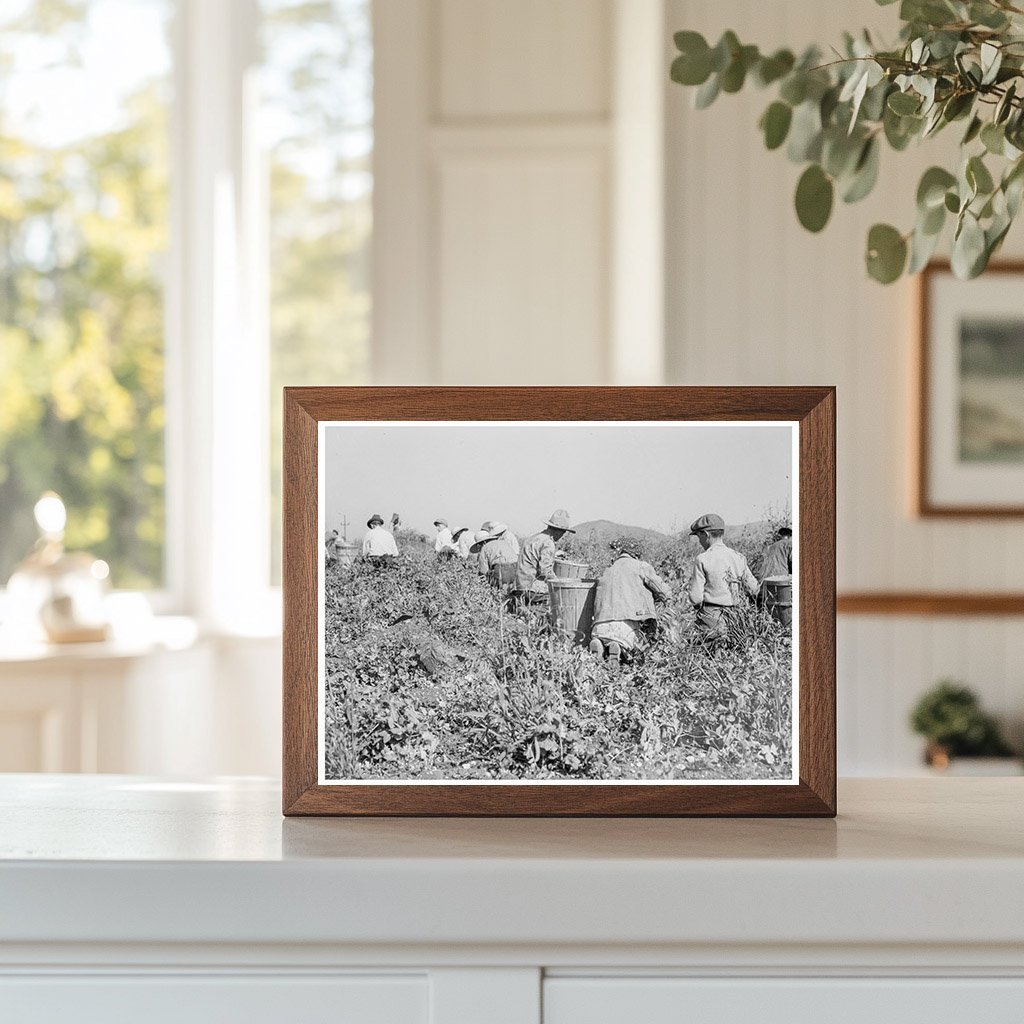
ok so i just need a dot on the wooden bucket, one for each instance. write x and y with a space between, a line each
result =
347 552
566 570
572 607
778 598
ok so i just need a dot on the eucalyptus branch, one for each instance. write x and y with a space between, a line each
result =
953 61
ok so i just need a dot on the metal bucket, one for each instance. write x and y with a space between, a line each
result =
566 570
778 598
572 607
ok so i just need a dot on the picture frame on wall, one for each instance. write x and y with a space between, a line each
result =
970 385
559 601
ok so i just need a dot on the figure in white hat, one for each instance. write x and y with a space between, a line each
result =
444 546
498 553
536 563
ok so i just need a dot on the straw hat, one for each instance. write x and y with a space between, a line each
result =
559 519
440 522
374 521
497 529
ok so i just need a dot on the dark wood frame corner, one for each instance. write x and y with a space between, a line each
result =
922 504
815 410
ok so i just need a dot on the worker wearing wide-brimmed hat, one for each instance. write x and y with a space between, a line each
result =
379 545
719 574
498 555
624 602
536 563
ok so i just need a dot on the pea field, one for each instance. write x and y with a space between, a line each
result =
429 676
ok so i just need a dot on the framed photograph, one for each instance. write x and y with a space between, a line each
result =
559 601
970 450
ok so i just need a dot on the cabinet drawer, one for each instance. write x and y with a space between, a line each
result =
202 999
782 1001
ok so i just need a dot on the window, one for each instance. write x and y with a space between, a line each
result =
317 116
83 236
167 264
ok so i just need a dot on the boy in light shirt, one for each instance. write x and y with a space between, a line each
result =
718 576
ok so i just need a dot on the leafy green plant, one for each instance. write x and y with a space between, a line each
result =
950 717
956 61
506 697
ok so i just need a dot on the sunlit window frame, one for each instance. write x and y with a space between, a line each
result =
217 352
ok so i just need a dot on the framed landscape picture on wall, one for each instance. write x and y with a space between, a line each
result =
970 450
559 601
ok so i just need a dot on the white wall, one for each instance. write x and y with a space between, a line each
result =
754 299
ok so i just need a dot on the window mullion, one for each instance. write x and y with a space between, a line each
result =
221 400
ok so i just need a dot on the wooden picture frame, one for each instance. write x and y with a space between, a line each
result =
811 792
932 472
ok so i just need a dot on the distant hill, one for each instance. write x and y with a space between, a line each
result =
604 530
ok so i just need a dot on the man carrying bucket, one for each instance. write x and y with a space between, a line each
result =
624 605
536 564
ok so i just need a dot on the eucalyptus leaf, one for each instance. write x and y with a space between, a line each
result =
814 195
775 124
707 93
922 248
973 130
968 247
724 51
886 253
978 176
904 103
794 88
865 173
987 15
771 69
805 133
991 60
993 138
931 190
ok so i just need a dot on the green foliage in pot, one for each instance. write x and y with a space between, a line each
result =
950 717
957 61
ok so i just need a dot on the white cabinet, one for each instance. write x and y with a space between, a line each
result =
127 899
202 999
629 1000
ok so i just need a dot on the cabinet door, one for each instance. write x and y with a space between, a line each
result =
783 1000
202 999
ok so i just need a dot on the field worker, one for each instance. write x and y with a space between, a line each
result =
396 522
379 545
624 604
778 559
498 555
331 543
718 574
444 546
536 564
464 540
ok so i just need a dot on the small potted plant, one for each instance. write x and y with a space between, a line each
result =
950 718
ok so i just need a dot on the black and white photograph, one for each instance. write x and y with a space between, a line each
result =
558 602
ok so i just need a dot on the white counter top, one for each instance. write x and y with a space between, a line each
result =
118 859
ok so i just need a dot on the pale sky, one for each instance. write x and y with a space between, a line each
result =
661 476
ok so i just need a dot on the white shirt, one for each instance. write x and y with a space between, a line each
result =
379 541
443 540
465 542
